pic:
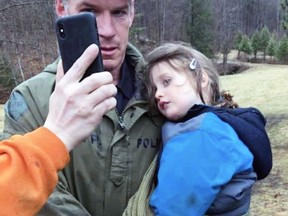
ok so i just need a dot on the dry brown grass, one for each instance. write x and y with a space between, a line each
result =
265 87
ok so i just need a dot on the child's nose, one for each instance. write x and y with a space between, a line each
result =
158 94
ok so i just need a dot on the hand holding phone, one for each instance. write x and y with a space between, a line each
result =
75 33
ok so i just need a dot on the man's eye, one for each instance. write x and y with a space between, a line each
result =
88 10
120 13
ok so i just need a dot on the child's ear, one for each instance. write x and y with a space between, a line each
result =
205 80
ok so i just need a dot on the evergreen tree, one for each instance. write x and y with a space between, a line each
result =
255 43
200 26
246 45
137 29
237 42
7 79
271 48
284 7
264 40
282 51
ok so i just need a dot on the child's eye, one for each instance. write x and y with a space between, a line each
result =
166 82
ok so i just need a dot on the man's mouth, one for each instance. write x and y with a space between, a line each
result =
108 51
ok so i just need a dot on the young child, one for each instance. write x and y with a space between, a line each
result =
204 168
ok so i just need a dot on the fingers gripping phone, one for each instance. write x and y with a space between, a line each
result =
75 33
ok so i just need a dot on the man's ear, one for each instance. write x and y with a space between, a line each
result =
132 13
59 8
205 80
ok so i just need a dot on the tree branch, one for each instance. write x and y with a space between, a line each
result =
18 43
21 4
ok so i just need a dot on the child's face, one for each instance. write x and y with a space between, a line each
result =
175 91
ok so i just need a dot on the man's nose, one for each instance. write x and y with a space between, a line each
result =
106 25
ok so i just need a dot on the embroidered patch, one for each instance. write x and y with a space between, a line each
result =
16 105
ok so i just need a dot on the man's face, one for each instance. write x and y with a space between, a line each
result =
114 18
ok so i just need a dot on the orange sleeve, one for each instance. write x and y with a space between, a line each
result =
28 171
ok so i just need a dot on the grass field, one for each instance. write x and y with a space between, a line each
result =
264 87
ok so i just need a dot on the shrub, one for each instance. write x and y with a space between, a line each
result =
282 51
7 81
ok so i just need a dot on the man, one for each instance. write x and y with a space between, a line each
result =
29 163
106 170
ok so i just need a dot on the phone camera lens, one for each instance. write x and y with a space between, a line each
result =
61 30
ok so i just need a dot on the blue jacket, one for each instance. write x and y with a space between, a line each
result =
249 124
204 168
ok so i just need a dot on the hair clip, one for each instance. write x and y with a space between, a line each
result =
192 64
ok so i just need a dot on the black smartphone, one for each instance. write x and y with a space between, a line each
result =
75 33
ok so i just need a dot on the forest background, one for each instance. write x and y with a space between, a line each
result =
246 35
28 41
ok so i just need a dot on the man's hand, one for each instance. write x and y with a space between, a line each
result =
76 108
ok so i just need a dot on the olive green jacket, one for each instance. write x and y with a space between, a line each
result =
105 170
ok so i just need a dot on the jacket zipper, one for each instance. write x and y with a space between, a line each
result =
121 122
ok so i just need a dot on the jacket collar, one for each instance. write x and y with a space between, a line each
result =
135 59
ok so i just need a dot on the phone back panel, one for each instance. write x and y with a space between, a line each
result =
75 33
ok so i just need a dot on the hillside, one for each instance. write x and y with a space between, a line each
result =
264 87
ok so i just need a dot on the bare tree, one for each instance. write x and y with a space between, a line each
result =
226 26
27 35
